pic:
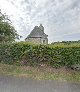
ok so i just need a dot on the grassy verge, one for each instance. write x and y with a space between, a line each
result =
41 72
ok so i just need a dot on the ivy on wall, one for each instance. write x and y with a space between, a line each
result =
28 54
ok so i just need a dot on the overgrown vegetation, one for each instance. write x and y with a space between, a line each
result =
40 72
23 53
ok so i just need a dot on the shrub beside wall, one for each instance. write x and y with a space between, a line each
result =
23 53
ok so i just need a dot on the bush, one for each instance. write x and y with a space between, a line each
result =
23 53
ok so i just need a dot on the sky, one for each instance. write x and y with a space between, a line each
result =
60 18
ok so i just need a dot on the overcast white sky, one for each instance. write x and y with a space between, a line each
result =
60 18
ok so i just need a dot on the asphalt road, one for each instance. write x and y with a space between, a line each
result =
13 84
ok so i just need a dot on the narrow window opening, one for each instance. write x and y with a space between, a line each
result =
43 41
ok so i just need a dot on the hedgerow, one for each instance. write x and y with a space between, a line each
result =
22 53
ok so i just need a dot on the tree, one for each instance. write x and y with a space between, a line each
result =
7 31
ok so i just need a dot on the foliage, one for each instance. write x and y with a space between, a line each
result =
66 43
7 31
23 53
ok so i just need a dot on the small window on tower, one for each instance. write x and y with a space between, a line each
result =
43 41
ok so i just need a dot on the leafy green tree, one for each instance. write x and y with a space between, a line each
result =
7 31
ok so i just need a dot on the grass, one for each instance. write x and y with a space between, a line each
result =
40 72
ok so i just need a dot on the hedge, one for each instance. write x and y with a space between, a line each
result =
22 53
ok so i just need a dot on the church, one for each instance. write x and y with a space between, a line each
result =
37 36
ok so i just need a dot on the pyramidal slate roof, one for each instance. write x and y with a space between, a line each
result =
37 32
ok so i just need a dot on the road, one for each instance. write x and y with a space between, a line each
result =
13 84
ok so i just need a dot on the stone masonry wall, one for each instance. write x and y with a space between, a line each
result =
37 40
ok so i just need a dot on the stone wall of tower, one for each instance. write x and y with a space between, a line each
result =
37 40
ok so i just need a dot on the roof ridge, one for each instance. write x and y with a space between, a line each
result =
38 31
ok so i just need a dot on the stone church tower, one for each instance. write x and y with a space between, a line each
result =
37 36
